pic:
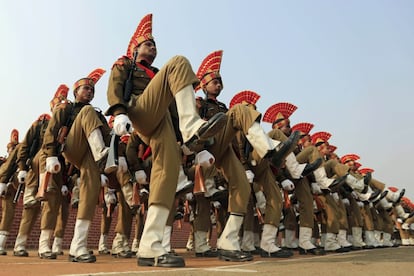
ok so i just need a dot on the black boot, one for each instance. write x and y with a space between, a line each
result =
166 260
313 251
337 183
235 255
85 258
367 178
401 195
282 253
48 255
207 130
312 166
374 196
278 156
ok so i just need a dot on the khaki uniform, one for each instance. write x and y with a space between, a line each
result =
82 120
147 110
7 170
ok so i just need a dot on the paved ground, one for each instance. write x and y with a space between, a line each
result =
390 261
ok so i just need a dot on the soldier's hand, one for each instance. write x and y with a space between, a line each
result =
122 125
104 180
3 189
52 164
21 176
110 196
315 188
287 185
250 176
64 190
141 177
204 159
122 164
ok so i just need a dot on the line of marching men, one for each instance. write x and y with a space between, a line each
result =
163 155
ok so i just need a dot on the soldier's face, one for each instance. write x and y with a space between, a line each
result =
85 94
214 87
147 51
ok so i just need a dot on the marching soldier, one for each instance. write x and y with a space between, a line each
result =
146 105
8 185
77 131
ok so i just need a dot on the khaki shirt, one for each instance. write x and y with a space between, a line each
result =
119 75
32 143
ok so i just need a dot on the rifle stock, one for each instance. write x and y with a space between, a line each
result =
128 83
44 181
199 185
136 202
286 198
19 191
112 161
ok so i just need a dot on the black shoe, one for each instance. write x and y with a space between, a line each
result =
208 130
85 258
282 253
48 255
187 188
356 248
368 247
234 255
337 183
400 196
103 252
309 168
58 253
207 254
220 195
374 196
3 252
21 253
313 251
367 178
123 254
277 157
342 250
166 260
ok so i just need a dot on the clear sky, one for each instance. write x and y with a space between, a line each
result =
347 65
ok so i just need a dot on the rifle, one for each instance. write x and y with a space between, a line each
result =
34 148
129 83
199 185
45 180
112 161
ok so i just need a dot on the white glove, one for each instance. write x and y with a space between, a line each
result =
316 189
104 180
335 196
110 197
64 190
3 189
204 159
260 201
186 150
122 164
141 177
189 196
250 176
288 185
216 204
143 191
52 164
122 125
346 201
21 176
360 204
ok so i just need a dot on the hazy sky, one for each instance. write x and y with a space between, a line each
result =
347 65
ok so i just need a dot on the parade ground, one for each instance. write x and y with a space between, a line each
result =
387 261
